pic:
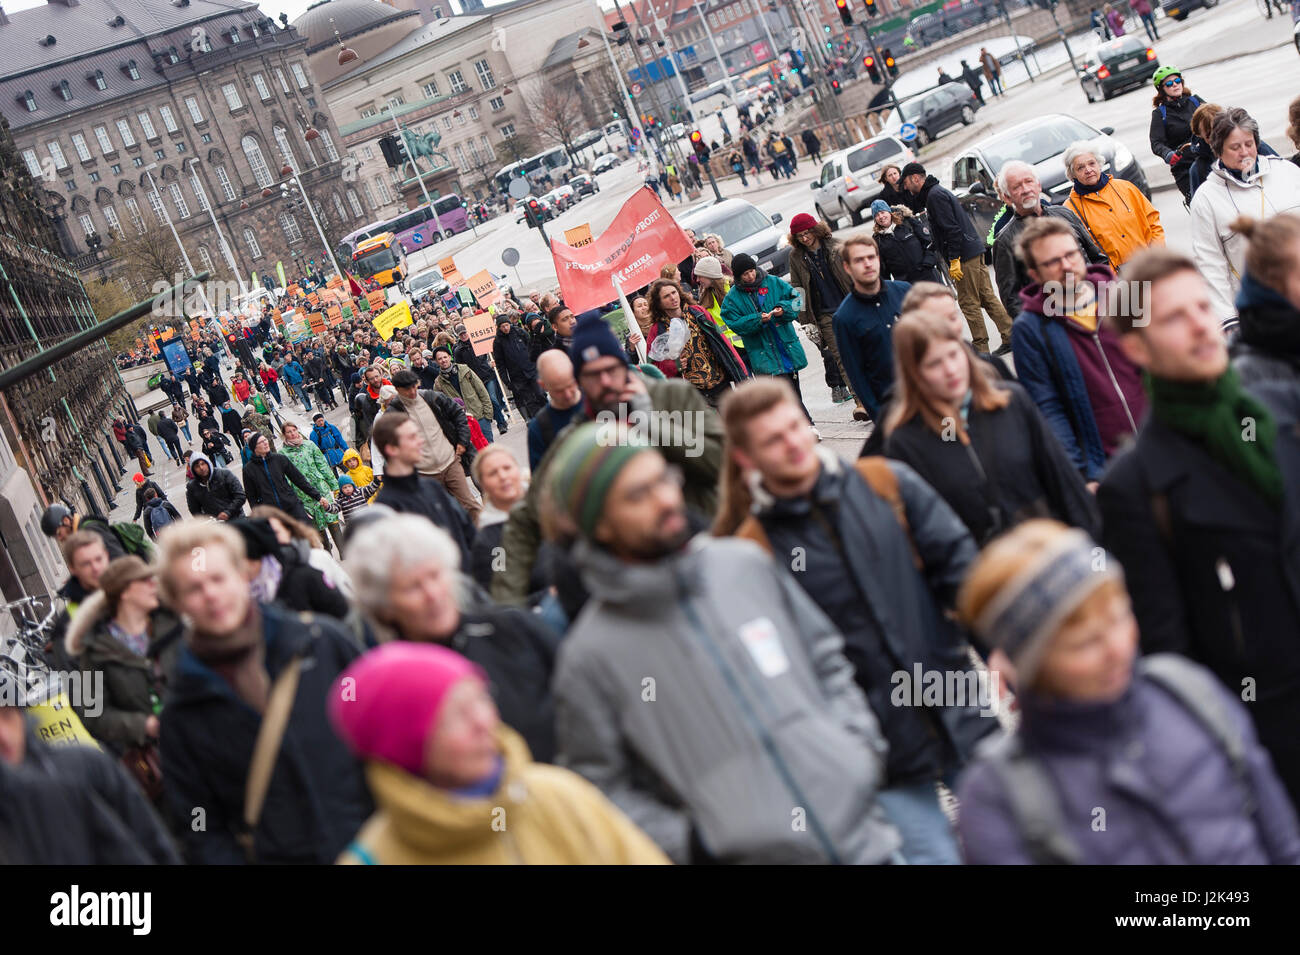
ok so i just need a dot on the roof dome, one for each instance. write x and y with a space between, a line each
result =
351 18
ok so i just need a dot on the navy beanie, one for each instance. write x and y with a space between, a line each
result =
592 339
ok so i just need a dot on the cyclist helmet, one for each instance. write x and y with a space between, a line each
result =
52 518
1163 74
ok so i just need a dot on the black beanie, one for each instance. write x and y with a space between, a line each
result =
741 263
592 339
259 538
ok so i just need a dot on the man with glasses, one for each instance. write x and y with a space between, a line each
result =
1070 363
685 429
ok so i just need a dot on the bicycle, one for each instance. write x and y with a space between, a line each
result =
24 654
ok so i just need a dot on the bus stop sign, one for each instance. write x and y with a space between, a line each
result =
907 132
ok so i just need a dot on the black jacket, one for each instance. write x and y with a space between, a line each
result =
451 418
152 522
221 492
215 443
428 375
907 252
514 360
167 429
1010 271
317 799
303 587
136 440
217 393
1012 470
543 338
271 480
463 354
232 424
1170 131
414 494
1267 346
954 232
1217 577
172 389
139 496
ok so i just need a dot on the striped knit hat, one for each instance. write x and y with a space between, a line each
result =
586 465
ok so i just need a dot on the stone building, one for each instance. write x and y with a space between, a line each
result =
207 97
56 440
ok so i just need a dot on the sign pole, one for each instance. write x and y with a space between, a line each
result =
631 317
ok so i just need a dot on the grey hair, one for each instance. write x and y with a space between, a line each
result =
1082 147
1231 119
1008 167
376 548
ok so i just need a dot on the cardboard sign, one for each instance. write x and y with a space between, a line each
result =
447 266
313 299
484 288
451 302
377 299
579 236
391 319
56 723
482 332
334 282
335 315
294 289
317 322
454 278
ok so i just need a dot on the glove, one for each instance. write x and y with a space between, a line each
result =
1174 158
814 334
954 269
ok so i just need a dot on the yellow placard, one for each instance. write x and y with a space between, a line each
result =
390 319
56 723
579 236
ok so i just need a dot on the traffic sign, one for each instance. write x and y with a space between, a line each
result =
417 238
907 132
636 89
510 256
519 188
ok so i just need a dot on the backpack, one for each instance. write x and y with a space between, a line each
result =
159 517
1031 792
132 538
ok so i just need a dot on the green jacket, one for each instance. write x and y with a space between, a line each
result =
310 460
772 347
698 452
472 392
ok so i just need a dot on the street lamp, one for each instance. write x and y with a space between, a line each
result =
185 257
226 248
312 212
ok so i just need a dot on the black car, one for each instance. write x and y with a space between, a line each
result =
932 112
584 185
1116 66
1179 9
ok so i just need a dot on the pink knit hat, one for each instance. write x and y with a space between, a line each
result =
385 704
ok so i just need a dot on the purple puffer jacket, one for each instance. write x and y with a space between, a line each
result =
1165 785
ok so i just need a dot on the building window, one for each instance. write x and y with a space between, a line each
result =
56 153
159 154
255 30
71 184
79 144
355 203
338 208
497 104
205 138
33 164
328 140
367 152
94 177
282 140
290 226
180 147
87 224
446 123
192 104
299 75
178 198
457 82
231 94
137 162
124 130
250 240
473 112
197 186
205 259
169 121
485 77
133 210
226 188
487 147
117 168
370 196
460 156
29 101
284 84
508 131
146 123
430 89
65 91
132 70
156 203
259 81
461 120
368 112
253 152
473 151
395 99
233 35
381 187
110 216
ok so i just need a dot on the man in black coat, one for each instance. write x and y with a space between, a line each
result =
137 446
972 79
231 422
1201 508
270 477
213 492
366 404
426 372
446 439
235 652
463 353
171 388
170 435
512 353
963 249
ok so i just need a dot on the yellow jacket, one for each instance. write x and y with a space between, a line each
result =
361 475
539 815
1120 218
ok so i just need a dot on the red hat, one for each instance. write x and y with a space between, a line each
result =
138 479
802 223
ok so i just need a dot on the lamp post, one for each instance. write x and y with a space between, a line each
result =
226 248
702 10
153 187
634 117
293 173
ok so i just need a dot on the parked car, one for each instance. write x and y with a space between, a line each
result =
602 163
561 197
1117 66
848 182
935 111
548 209
584 185
1039 142
421 285
1179 9
743 228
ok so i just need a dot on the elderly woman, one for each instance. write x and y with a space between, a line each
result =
312 464
1119 216
1241 183
406 574
455 786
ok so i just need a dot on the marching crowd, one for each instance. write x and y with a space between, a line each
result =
1063 574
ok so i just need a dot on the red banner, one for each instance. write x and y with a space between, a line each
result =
641 240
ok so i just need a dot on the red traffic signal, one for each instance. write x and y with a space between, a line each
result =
696 137
845 16
872 10
868 61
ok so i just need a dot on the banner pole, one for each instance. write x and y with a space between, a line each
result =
627 312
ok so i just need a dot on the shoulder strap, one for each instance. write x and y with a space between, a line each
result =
1032 797
882 479
269 737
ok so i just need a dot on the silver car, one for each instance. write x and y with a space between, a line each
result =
849 179
743 228
423 284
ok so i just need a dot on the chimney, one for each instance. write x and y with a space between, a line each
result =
3 16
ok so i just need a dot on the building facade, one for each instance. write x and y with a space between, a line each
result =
135 112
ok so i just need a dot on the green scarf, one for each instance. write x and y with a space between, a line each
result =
1212 413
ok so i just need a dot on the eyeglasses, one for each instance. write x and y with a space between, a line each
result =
1176 81
1076 254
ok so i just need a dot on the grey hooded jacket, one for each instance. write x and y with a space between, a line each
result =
709 698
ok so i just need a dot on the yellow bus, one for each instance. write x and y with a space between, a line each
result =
380 258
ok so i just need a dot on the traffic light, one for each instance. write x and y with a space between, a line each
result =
394 151
889 62
835 87
698 144
846 16
533 211
872 9
869 64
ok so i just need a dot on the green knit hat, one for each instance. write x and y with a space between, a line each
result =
586 465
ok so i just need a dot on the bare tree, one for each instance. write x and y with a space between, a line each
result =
555 114
518 147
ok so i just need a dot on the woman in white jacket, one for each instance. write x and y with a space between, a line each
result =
1241 183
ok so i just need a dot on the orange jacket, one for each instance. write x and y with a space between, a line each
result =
1120 218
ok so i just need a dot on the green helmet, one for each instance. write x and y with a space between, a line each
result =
1163 74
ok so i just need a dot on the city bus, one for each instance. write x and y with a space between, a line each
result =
553 162
418 229
380 258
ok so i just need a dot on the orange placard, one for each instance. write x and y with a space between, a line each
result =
294 290
484 289
317 322
335 315
377 299
334 282
153 345
579 236
482 332
447 266
313 299
454 278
